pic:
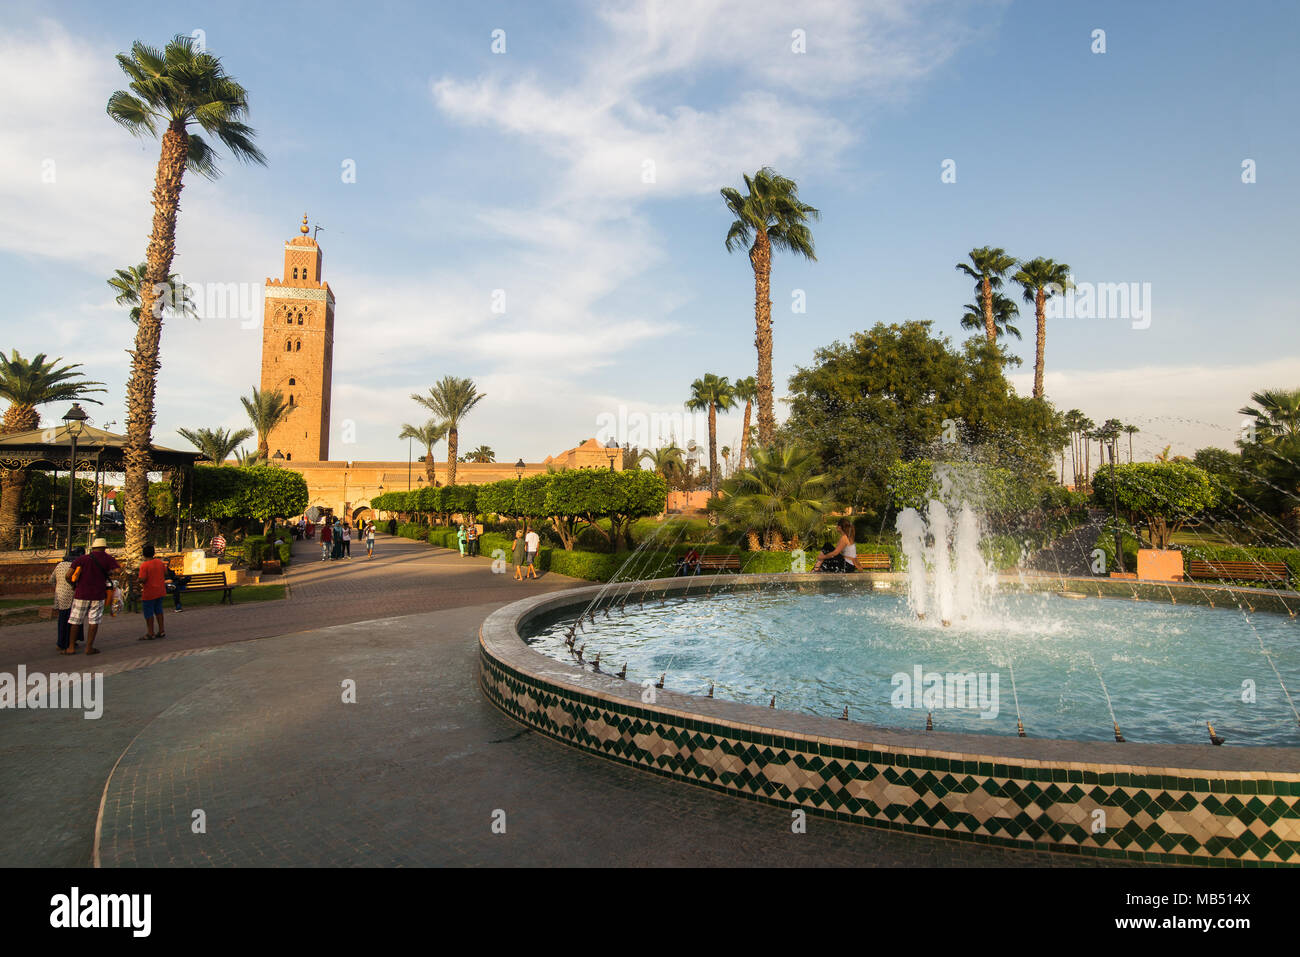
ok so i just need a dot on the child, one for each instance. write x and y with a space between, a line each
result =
153 587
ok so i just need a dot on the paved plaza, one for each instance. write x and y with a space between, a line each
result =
239 715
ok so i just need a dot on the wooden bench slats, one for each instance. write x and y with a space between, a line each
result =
1239 571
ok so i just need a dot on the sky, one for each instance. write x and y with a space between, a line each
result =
527 194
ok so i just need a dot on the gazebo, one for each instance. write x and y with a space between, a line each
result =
98 451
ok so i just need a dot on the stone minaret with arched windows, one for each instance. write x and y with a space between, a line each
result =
298 350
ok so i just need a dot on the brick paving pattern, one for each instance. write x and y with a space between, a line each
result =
256 735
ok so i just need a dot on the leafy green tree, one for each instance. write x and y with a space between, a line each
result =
1041 279
215 444
1165 495
173 90
1272 452
450 400
712 394
27 384
898 392
988 266
577 497
782 500
769 215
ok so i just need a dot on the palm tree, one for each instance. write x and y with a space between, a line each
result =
712 394
170 90
481 454
248 459
266 410
745 390
1041 279
215 444
667 461
451 400
1130 431
778 500
769 216
988 265
1276 413
1005 311
28 384
174 296
428 435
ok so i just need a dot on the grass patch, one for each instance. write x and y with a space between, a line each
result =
243 594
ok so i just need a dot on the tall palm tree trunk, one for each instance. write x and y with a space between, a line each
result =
1040 312
986 296
744 435
453 442
760 257
713 451
430 467
1130 448
22 418
143 384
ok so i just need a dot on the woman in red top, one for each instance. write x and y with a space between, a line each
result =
153 588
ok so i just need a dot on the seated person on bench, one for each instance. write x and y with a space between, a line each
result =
842 557
689 564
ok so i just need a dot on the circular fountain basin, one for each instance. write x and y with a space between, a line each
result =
1066 668
1146 800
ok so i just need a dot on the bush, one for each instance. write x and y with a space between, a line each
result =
1130 541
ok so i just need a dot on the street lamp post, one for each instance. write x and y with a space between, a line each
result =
74 422
612 449
519 469
1114 508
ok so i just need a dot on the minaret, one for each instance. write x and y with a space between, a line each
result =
298 350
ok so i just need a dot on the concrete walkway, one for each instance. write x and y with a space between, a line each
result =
256 736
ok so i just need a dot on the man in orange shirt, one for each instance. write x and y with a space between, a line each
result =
153 588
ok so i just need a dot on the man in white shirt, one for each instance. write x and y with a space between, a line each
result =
532 542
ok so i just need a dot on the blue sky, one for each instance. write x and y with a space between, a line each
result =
523 172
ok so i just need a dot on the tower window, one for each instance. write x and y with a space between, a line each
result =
298 346
288 346
288 457
295 272
300 318
291 398
293 381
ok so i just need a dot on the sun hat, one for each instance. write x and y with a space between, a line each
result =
99 543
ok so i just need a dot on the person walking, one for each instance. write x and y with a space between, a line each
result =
325 542
461 538
370 540
347 540
518 555
90 574
471 539
153 588
532 544
336 551
63 592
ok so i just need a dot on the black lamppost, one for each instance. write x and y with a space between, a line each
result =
73 422
519 469
1114 507
612 449
278 457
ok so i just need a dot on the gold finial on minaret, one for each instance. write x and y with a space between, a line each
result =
304 229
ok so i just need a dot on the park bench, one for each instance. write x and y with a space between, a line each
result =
211 581
872 563
1275 572
719 563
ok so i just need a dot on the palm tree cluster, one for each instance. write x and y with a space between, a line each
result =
781 501
1083 432
1039 279
450 400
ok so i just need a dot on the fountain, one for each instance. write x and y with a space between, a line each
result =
958 579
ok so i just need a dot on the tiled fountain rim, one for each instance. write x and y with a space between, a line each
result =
501 638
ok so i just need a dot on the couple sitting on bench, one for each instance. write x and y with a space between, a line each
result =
689 564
